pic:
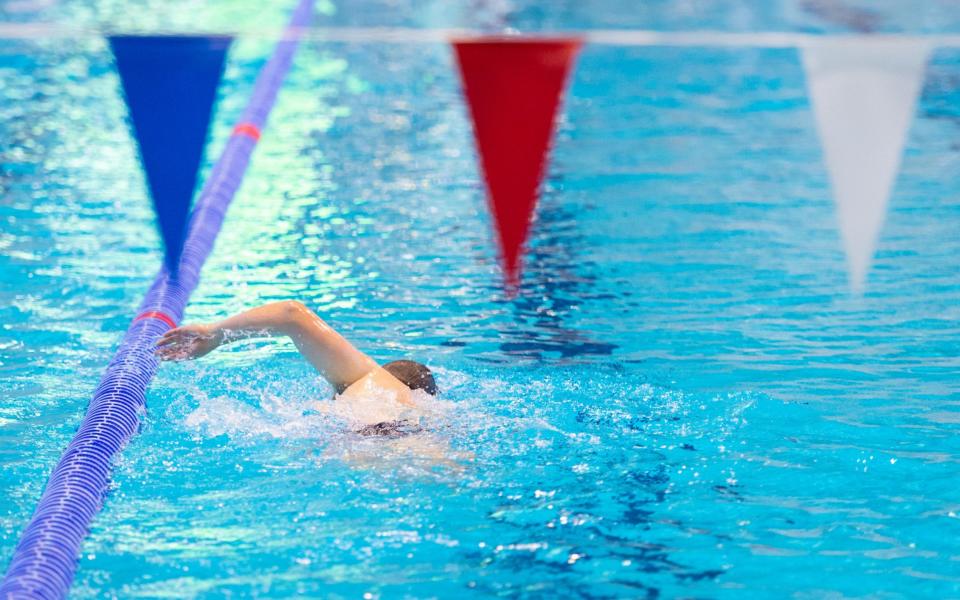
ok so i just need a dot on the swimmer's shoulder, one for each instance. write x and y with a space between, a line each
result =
379 383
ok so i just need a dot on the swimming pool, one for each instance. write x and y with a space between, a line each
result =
683 400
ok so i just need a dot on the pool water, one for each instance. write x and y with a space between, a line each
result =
684 399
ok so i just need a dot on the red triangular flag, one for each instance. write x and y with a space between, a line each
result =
513 87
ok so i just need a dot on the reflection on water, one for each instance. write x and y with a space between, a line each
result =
557 281
844 15
941 91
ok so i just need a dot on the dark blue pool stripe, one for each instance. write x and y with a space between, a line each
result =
45 558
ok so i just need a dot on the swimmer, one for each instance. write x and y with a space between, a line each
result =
380 399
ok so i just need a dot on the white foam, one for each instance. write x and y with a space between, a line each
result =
246 410
274 418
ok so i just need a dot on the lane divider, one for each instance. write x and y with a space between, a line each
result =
45 559
156 314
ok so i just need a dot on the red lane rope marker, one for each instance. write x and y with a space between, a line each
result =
248 129
156 314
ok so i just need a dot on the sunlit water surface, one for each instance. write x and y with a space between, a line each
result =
683 400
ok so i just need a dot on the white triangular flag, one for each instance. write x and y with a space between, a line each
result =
864 94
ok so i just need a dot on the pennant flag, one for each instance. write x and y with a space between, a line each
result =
863 95
170 83
513 88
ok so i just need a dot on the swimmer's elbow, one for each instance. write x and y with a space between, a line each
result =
292 308
296 315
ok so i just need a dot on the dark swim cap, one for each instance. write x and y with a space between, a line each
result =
413 374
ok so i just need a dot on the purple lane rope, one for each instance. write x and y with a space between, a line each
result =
45 558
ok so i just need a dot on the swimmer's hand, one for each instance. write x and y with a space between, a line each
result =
189 341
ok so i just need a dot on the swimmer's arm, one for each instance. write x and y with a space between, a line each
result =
330 353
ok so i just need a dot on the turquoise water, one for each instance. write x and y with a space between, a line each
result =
683 400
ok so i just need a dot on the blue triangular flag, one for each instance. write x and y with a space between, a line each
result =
170 83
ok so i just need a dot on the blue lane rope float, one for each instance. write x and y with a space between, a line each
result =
45 559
